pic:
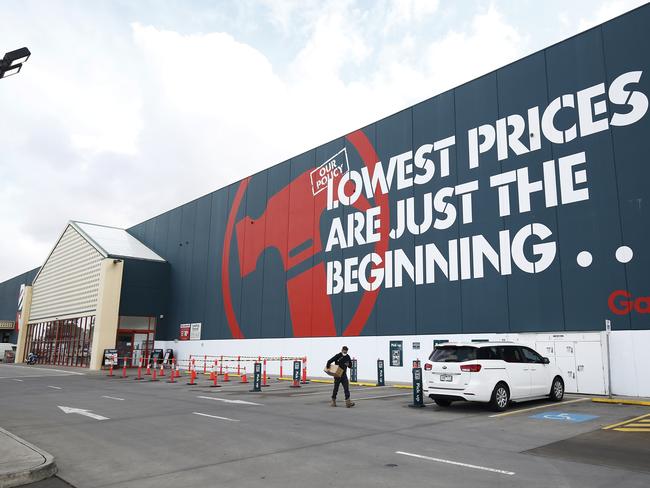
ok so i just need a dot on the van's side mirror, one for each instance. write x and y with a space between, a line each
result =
545 361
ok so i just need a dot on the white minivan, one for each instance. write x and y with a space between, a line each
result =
5 346
490 372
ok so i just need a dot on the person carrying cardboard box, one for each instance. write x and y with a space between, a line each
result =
337 366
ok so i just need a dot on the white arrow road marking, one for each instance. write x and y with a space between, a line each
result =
456 463
112 398
225 400
55 387
84 412
215 417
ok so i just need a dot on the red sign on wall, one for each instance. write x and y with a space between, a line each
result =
185 332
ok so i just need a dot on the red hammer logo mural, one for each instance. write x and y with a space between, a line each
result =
297 238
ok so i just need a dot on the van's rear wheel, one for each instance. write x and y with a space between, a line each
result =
441 402
557 390
500 397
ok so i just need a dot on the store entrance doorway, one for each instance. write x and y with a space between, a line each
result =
136 342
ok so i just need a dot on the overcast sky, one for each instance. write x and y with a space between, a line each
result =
130 108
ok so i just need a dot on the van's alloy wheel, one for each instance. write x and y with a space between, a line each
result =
500 398
557 390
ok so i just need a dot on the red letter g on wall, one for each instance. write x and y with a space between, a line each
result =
618 304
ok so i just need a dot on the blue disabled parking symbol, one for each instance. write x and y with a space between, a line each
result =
564 417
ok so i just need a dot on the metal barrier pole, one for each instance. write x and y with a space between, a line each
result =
353 371
418 394
280 366
221 365
296 374
205 364
238 365
257 373
380 372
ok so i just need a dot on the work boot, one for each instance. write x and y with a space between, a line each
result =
333 403
349 403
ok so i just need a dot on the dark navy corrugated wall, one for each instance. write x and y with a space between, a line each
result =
9 292
275 290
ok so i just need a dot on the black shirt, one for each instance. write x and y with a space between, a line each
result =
341 361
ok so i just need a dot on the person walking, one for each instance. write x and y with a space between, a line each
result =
343 361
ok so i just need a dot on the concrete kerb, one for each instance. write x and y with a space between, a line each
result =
22 462
643 402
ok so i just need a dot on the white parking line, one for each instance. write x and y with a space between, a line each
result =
47 369
382 396
16 379
113 398
215 417
225 400
322 392
554 404
34 376
55 387
456 463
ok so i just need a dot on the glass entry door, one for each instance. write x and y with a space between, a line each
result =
124 346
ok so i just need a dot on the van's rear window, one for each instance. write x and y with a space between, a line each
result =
453 354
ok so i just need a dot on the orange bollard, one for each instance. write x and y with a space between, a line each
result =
192 378
280 368
226 379
110 370
304 371
244 379
148 373
172 375
139 377
221 365
124 369
153 377
162 369
205 364
238 364
215 377
264 375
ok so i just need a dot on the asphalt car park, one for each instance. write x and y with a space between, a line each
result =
113 432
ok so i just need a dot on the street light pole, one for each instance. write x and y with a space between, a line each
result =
13 61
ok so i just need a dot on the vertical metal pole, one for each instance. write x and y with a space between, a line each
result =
608 331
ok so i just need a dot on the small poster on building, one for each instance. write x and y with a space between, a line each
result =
195 331
185 332
396 353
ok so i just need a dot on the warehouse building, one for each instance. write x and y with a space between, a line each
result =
513 207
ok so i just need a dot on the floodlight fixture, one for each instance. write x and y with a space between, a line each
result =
13 61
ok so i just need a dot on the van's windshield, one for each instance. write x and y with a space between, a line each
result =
453 354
